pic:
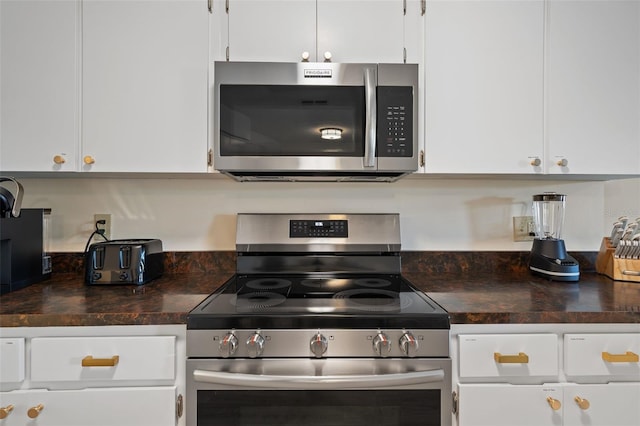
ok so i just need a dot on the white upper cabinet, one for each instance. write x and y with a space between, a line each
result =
144 86
271 30
361 31
39 85
484 86
316 30
593 93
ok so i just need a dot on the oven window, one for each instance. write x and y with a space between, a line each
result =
291 121
319 408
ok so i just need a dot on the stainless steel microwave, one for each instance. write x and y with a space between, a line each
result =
315 121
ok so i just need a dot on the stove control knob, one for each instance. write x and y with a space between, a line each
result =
382 345
255 345
409 344
228 345
319 345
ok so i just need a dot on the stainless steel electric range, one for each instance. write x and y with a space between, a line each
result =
318 327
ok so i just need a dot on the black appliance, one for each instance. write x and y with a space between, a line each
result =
133 261
549 257
23 260
318 326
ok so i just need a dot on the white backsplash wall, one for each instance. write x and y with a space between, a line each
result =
436 214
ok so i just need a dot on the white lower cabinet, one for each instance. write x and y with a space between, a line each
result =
134 406
509 405
611 404
92 376
546 374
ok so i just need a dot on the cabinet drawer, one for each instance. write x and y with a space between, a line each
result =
103 358
11 360
508 355
612 355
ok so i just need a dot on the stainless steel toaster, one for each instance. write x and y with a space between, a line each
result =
136 261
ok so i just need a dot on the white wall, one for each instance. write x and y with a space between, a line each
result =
436 214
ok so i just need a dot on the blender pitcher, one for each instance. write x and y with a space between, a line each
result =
548 215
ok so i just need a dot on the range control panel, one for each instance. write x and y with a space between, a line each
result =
318 228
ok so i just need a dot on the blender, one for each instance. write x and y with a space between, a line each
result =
549 256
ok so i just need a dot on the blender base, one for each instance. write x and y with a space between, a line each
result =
549 259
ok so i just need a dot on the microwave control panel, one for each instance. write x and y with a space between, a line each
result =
395 121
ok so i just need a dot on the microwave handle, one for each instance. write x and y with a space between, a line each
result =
371 117
319 382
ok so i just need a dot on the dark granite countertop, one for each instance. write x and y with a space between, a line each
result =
64 300
524 299
470 299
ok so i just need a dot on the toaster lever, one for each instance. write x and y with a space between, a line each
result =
98 258
125 257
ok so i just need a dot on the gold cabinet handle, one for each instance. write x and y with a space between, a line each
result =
554 403
59 159
88 160
89 361
625 357
582 403
33 412
5 411
521 358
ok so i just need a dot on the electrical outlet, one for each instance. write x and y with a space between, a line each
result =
523 228
107 223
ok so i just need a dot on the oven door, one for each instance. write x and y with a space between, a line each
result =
319 392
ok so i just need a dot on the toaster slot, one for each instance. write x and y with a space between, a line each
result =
98 258
125 257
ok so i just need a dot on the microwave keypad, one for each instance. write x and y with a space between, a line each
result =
395 125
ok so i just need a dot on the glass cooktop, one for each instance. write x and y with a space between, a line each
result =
307 301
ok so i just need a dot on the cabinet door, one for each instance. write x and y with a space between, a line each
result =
145 66
613 404
361 31
593 89
39 85
136 406
509 405
484 86
272 30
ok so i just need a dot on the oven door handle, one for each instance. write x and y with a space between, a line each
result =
319 382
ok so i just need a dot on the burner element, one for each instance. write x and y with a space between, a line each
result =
268 283
258 300
374 299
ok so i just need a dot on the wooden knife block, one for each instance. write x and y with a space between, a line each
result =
616 269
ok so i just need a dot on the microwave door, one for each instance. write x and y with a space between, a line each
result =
297 128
